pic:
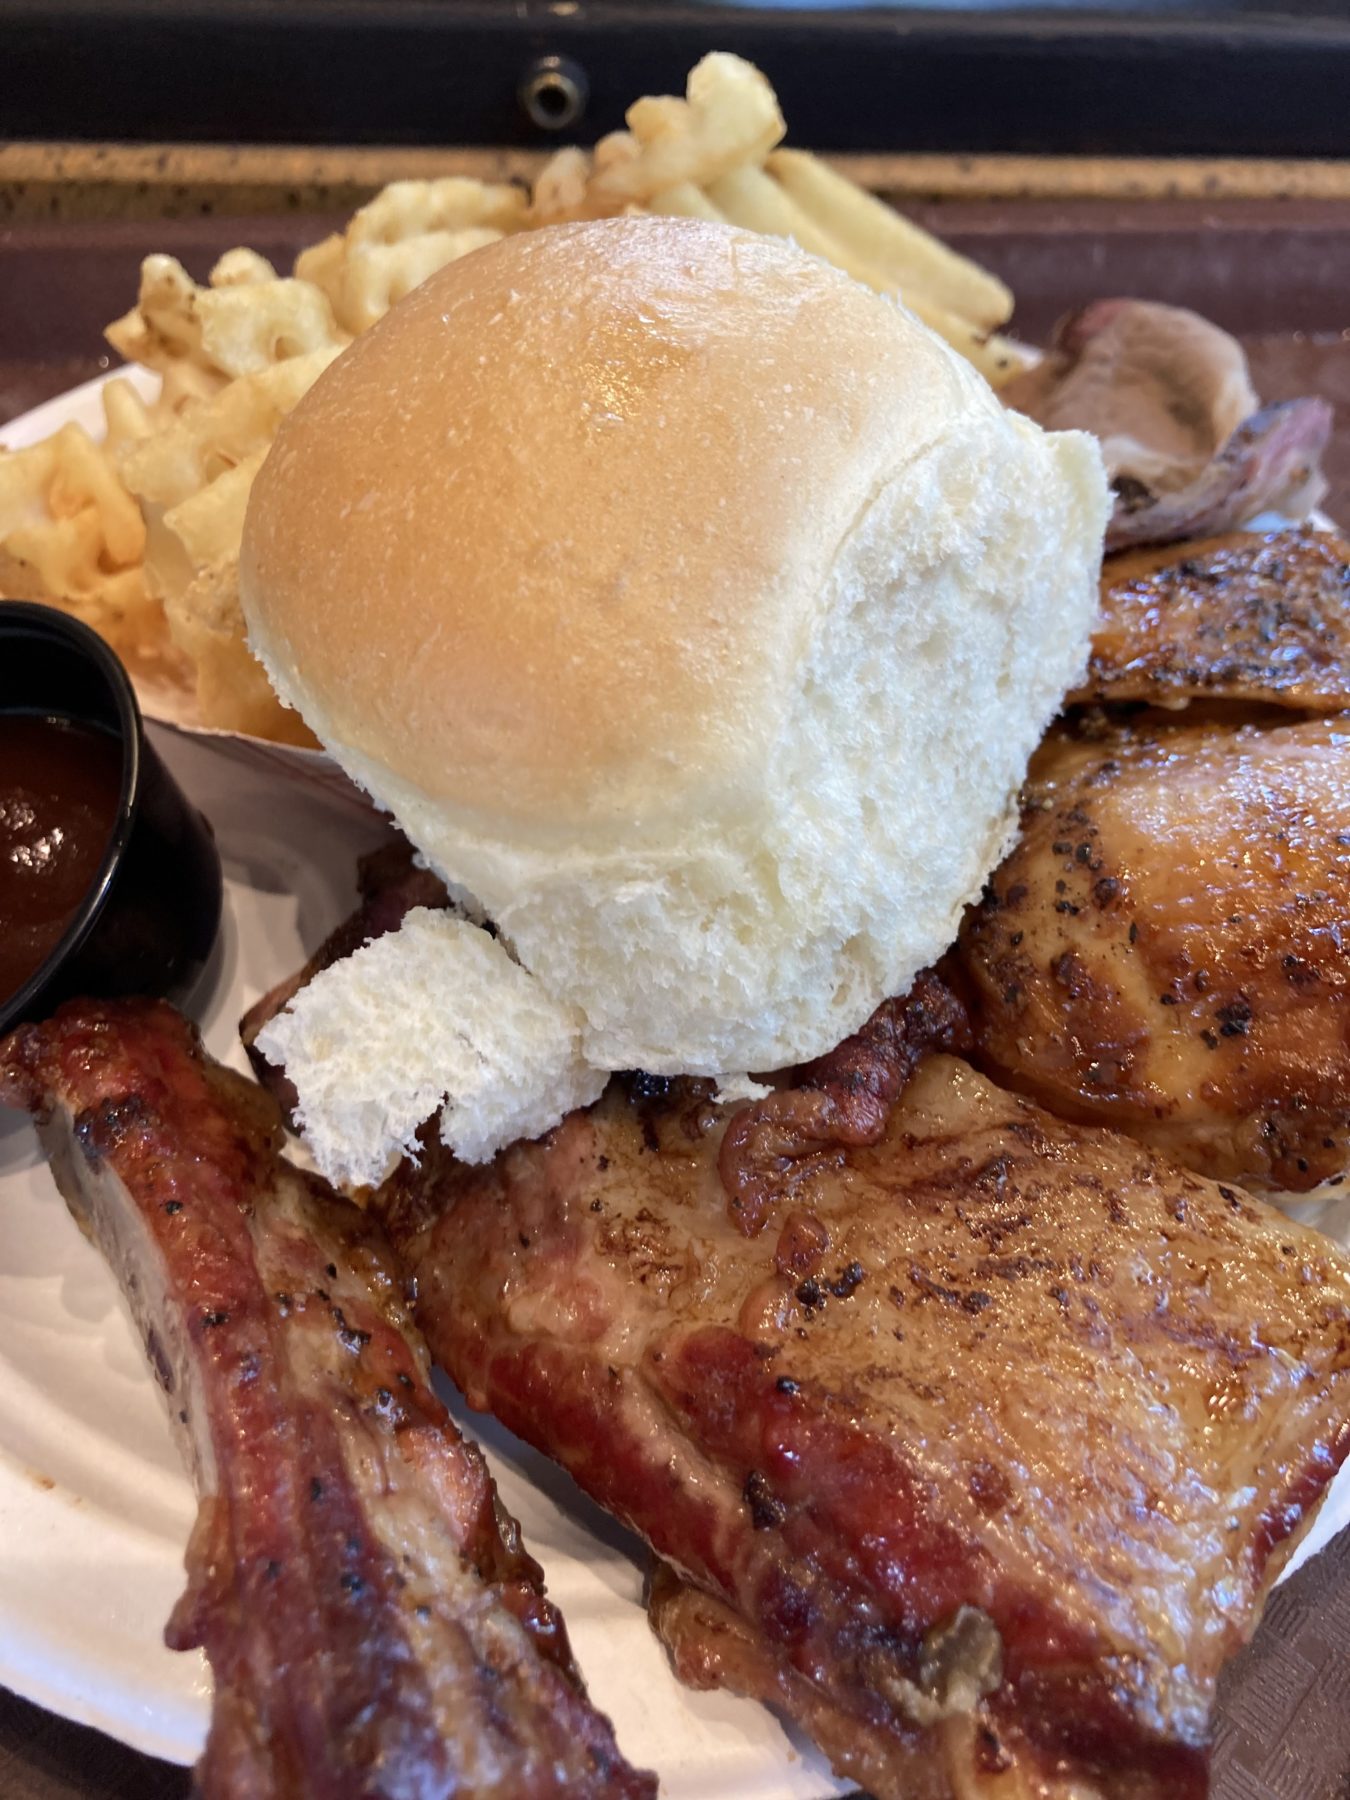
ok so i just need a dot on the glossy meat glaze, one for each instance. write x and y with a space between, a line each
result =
374 1627
1164 949
982 1435
1256 616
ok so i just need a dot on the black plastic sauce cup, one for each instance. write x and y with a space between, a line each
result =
150 916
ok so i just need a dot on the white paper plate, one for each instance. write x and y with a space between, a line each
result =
94 1507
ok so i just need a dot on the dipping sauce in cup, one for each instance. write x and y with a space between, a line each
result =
110 881
60 789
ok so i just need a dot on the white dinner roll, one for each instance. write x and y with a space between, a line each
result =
695 611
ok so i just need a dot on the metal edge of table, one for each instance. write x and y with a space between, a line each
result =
67 179
1028 80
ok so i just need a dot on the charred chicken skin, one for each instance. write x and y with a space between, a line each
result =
1257 617
1165 948
970 1437
375 1630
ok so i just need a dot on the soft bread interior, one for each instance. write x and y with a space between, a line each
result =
954 618
952 621
433 1019
731 874
890 795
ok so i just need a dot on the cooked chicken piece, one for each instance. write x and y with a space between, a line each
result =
1259 617
1169 396
1165 950
1162 387
372 1623
977 1436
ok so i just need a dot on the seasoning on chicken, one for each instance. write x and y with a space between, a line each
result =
1262 617
1164 950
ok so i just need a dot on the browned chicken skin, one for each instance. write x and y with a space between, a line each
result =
1165 948
1255 616
979 1439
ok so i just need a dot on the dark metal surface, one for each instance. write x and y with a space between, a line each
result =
1233 79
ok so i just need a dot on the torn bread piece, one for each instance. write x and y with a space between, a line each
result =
432 1019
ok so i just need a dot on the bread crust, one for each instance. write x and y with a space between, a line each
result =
693 608
552 541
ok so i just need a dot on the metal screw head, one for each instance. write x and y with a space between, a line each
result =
553 92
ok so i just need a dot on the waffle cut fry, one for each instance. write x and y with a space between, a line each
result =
232 688
192 478
408 231
71 533
728 119
247 318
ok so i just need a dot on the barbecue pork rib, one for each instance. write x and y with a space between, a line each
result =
1262 617
375 1630
1164 950
973 1441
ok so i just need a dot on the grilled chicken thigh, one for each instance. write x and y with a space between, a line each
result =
375 1630
1165 950
970 1437
1257 617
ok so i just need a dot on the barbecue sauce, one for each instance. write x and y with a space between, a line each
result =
60 789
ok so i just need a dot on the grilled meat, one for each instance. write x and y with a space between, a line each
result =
1169 396
373 1625
1165 948
1272 463
1260 617
1160 386
974 1443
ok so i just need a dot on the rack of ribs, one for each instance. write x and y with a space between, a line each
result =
970 1437
374 1627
